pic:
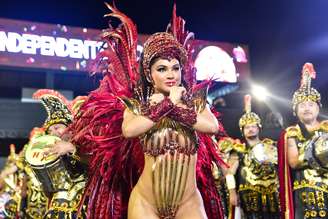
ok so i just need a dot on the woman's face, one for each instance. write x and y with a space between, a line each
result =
165 74
307 111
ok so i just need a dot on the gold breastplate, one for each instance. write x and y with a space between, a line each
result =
169 136
171 145
312 176
259 165
37 201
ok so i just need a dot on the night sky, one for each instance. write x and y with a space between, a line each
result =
282 35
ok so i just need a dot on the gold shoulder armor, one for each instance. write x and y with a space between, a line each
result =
294 132
132 105
324 125
228 144
239 147
225 144
199 99
268 141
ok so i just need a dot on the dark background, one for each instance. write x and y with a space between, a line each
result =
281 35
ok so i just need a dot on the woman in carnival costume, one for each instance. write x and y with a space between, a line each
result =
146 130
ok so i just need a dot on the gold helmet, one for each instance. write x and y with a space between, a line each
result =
249 117
57 107
306 92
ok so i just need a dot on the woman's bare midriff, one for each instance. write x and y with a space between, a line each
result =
142 200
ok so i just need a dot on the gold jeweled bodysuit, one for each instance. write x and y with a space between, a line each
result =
171 145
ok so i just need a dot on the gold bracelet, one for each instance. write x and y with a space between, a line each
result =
231 182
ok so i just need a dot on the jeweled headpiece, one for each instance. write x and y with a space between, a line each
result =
56 105
249 117
162 45
306 92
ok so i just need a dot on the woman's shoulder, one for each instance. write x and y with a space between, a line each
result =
132 105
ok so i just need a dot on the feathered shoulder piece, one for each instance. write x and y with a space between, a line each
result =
132 105
118 59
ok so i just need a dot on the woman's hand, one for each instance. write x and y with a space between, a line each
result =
156 98
59 148
176 94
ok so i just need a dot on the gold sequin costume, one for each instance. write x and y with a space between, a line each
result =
224 148
65 200
65 203
171 145
36 199
257 180
302 190
256 176
10 193
310 185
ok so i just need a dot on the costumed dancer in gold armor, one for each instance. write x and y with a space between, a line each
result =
252 178
220 181
10 187
303 156
146 130
36 201
53 159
